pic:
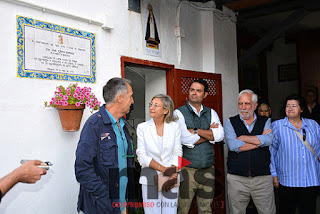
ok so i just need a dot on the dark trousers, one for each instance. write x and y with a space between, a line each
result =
303 198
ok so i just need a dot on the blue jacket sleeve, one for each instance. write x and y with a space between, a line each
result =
85 155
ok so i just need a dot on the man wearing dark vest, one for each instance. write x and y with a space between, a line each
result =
200 129
248 136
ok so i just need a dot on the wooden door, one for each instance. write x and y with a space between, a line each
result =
181 82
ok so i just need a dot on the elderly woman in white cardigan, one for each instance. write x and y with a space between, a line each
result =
159 146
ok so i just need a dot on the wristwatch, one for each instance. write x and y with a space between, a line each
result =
195 130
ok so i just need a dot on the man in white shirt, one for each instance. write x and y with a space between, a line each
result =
200 129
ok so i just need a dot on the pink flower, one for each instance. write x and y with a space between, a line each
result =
74 94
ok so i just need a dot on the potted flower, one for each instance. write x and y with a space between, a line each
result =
70 103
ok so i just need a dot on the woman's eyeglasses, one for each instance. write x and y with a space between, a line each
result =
155 105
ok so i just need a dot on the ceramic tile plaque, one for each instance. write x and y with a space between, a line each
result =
55 52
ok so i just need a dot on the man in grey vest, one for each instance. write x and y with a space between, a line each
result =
200 129
248 136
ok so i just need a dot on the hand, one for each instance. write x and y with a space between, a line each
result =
201 140
267 131
214 125
275 182
173 176
242 137
169 184
191 131
29 172
170 171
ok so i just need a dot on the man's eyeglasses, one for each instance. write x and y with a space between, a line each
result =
264 110
304 134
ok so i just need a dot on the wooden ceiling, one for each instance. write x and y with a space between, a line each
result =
245 4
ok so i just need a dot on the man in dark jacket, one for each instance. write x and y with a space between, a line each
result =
313 106
103 163
248 136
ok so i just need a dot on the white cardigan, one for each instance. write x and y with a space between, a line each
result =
148 147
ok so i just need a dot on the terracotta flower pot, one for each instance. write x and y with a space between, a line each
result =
70 117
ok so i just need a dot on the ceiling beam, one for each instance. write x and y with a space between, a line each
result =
243 4
203 1
272 35
277 8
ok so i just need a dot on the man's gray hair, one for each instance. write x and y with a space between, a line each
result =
254 96
113 88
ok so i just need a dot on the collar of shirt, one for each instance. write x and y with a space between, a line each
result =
114 121
310 109
195 110
249 127
287 123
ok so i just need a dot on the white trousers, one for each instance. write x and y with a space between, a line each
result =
162 202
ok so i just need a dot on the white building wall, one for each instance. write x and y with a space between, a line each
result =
225 58
30 131
191 43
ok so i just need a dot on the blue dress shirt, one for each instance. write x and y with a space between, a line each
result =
235 144
122 159
293 163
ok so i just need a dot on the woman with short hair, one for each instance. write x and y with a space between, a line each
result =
294 168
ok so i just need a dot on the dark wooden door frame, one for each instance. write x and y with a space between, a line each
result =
150 64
